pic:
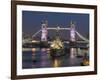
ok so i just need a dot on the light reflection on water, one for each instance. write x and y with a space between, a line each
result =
56 63
40 58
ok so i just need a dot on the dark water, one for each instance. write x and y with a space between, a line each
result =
42 59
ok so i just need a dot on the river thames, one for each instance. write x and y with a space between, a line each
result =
41 58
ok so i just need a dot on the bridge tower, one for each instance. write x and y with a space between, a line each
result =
44 31
72 31
72 40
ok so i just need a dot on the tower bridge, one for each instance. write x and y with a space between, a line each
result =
73 33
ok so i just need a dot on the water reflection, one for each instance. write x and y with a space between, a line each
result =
56 63
41 58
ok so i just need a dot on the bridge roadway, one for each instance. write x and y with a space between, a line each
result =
34 41
38 44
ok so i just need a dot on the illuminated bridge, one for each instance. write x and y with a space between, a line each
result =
72 40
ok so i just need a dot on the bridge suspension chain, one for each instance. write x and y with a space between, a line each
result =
36 33
83 38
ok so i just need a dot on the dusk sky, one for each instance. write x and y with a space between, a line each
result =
31 22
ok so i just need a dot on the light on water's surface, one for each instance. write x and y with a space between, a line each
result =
41 58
